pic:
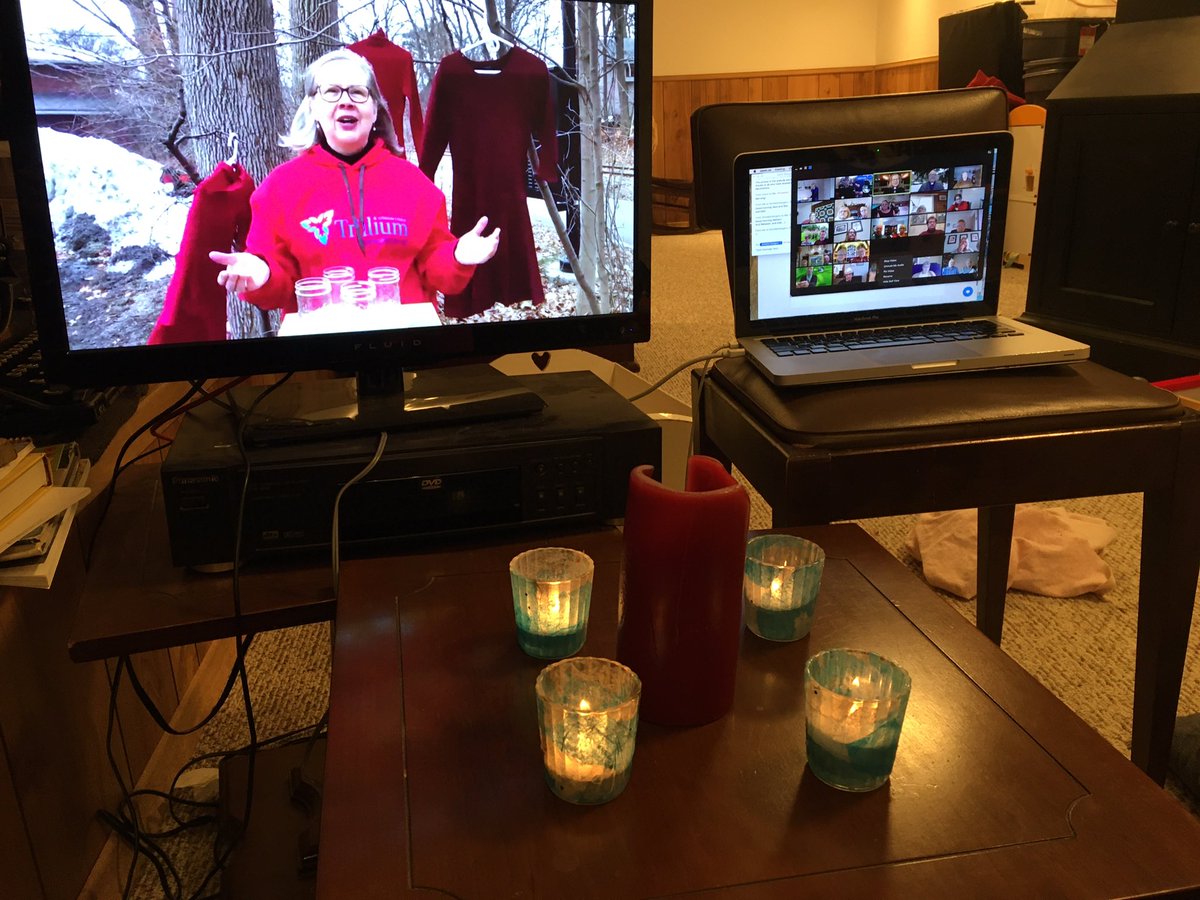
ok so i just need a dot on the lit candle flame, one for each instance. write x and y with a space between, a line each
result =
553 612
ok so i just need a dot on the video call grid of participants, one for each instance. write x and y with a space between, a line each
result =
887 229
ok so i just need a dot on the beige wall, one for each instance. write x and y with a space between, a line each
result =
715 36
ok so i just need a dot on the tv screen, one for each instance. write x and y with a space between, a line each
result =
269 186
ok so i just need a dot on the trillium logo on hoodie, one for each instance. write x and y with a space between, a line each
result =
318 226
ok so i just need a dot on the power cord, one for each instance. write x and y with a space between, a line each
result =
335 538
725 351
130 828
174 410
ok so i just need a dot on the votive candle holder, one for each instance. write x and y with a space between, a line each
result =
552 596
780 585
854 705
587 719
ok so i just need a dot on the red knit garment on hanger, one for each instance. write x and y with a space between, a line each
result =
397 80
486 120
219 219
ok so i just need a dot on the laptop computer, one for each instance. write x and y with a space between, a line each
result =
881 260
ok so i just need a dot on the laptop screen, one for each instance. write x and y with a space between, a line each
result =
871 232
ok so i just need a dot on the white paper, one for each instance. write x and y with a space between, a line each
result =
46 503
40 573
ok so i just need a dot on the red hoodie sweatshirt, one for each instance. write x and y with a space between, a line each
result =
317 211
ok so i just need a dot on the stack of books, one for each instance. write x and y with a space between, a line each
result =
40 489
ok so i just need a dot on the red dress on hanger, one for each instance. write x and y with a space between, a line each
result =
487 120
397 80
219 219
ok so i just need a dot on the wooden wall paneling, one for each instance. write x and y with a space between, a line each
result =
675 132
658 155
774 87
918 75
802 87
52 718
829 84
734 90
18 869
856 84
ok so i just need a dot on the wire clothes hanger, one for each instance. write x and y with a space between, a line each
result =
232 143
495 44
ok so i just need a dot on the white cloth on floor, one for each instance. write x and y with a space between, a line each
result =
1054 552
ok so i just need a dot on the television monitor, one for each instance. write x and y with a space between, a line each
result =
140 133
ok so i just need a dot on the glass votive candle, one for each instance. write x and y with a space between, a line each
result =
587 719
855 704
339 276
552 595
782 577
387 283
312 294
360 294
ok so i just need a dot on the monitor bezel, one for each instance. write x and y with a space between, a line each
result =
403 348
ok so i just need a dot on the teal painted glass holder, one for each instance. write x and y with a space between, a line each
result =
587 719
781 580
854 704
552 596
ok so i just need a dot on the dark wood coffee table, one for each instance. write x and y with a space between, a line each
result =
434 786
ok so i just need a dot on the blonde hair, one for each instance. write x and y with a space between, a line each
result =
304 130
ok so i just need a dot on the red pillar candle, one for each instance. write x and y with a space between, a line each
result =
681 591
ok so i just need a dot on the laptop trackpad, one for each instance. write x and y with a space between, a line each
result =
921 353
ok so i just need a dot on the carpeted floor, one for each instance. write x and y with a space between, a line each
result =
1082 649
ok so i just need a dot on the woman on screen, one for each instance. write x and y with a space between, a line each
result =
349 198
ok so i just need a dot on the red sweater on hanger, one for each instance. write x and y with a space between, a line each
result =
486 120
397 80
219 219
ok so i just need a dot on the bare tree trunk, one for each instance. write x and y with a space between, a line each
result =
621 30
591 193
149 37
231 83
314 24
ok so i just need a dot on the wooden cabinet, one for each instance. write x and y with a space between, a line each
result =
1116 247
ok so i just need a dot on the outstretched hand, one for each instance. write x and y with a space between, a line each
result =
475 247
242 272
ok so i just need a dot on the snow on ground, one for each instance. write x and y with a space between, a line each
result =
121 190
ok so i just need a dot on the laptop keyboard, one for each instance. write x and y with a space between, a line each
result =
834 342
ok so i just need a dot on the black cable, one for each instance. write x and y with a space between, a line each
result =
131 831
140 843
221 858
118 468
156 714
176 408
114 685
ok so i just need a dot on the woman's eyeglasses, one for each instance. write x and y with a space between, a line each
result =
332 93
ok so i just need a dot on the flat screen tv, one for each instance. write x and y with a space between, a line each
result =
148 137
